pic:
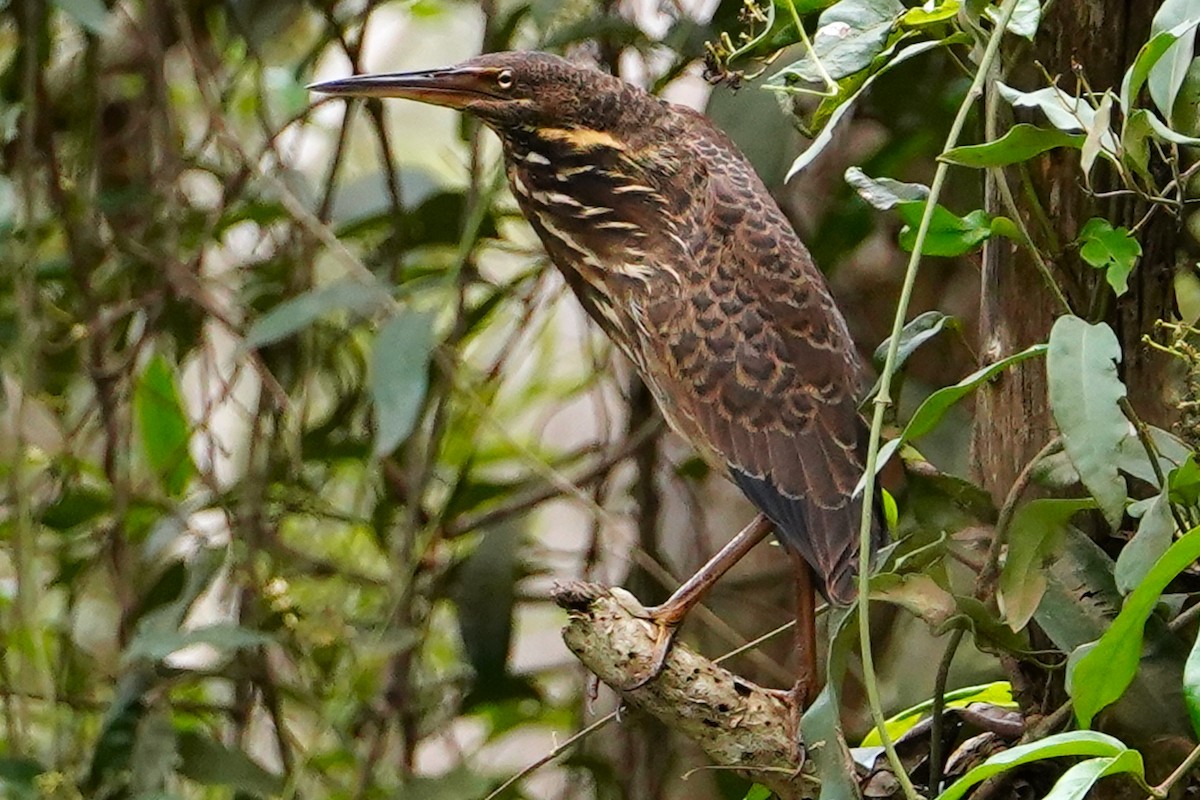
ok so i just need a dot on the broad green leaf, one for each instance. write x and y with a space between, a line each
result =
850 34
1102 674
1172 453
1135 143
1113 250
916 332
163 427
296 314
210 763
1025 18
1168 134
758 792
998 693
949 234
1033 535
155 644
884 193
92 15
920 16
1184 482
1064 111
1177 17
1096 135
1156 530
18 777
1081 368
918 593
1077 781
1191 685
1075 743
1161 41
75 506
931 411
823 138
1020 143
400 376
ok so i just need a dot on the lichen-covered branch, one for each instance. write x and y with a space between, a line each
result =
737 723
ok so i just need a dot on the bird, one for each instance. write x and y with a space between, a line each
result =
675 247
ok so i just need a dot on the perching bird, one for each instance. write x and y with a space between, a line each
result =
676 248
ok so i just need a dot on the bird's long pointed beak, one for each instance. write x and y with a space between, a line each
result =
454 86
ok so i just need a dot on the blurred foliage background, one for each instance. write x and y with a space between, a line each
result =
262 534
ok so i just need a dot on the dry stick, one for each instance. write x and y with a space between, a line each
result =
883 399
1160 791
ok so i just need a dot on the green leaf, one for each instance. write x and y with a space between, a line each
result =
822 723
998 693
163 427
92 15
1077 781
1167 134
1025 18
949 234
919 330
1020 143
1156 530
1135 143
1033 536
1184 482
1147 58
1114 250
1191 685
1064 111
296 314
823 139
1101 675
884 193
849 36
1178 17
919 16
210 763
1075 743
75 506
931 411
156 644
18 777
758 792
1081 367
400 376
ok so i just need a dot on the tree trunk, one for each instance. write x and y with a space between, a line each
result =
1012 419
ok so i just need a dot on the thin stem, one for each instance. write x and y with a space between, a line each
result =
938 711
1143 435
1188 764
555 753
991 568
883 399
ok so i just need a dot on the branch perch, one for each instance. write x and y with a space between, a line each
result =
737 723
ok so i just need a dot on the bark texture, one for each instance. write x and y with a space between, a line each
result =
1013 421
736 723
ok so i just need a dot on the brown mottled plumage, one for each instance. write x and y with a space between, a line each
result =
674 245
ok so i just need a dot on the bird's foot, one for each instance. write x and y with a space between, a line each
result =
666 620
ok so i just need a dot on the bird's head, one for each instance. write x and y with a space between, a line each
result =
511 91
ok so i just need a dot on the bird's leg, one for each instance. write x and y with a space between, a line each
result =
668 616
808 683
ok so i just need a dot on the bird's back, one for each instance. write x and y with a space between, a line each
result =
676 247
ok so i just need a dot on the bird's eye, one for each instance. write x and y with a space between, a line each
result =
505 79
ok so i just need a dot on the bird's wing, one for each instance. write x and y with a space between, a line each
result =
764 374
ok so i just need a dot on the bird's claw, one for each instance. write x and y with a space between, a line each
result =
663 639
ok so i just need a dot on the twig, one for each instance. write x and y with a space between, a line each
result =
1160 791
1143 435
883 399
937 712
991 568
566 744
